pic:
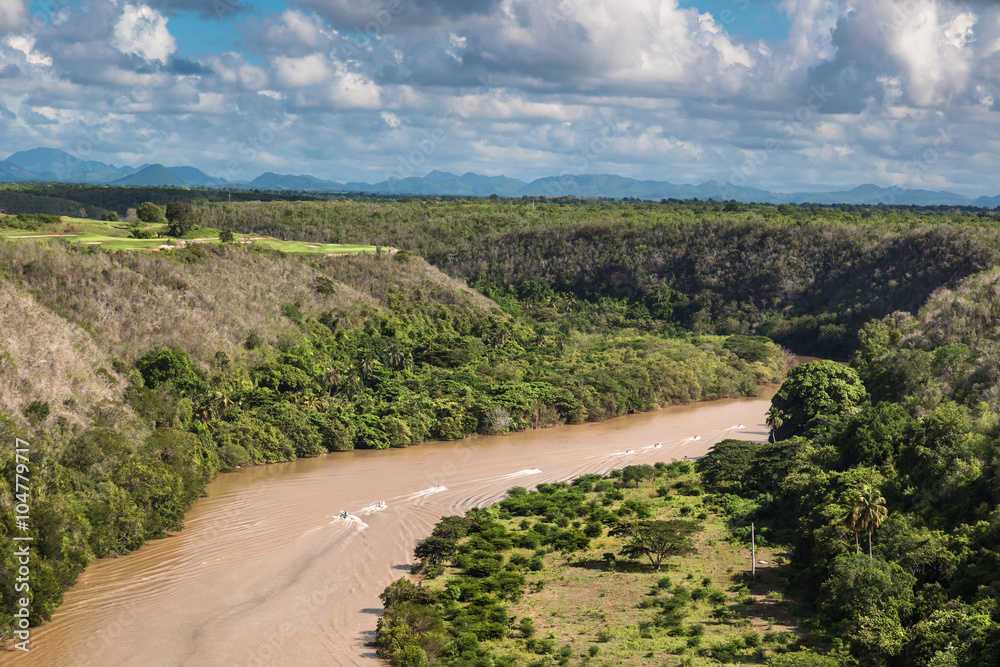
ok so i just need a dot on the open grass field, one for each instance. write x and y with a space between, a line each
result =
115 236
593 608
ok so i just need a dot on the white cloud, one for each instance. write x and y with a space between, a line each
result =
231 71
26 45
351 90
12 14
301 72
142 31
294 32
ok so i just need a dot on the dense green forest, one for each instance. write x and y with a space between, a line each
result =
95 201
136 377
884 483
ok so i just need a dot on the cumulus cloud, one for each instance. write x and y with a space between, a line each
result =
644 88
142 31
301 72
26 45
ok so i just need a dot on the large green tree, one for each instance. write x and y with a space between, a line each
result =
180 215
815 399
149 212
656 539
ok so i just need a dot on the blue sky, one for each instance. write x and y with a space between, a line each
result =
777 94
749 19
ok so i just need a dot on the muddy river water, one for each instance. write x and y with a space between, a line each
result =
266 572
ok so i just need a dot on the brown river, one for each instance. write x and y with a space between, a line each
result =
266 572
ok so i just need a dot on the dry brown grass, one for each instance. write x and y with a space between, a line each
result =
68 312
44 358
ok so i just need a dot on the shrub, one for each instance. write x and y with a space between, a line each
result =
717 597
37 412
161 365
696 629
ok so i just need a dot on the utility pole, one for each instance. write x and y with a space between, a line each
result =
753 554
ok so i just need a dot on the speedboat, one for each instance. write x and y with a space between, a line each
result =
697 437
657 446
628 451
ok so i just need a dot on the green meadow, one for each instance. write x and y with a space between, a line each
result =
116 236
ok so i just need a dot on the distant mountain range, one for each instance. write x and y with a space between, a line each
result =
49 164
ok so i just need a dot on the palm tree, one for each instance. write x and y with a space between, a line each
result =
851 521
871 512
367 367
396 358
332 378
213 409
775 418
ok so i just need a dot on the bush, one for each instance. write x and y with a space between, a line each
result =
718 597
37 412
162 365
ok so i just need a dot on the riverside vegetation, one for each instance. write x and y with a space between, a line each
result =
881 484
581 311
